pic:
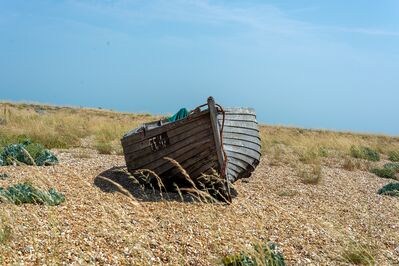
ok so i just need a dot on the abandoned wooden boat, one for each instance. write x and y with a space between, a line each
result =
208 138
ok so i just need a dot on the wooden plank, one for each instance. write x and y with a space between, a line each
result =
193 133
171 151
235 117
241 124
209 165
244 158
247 131
192 170
240 110
233 172
156 131
244 151
193 165
161 161
242 143
187 158
235 167
181 152
231 175
240 136
238 162
200 122
216 132
227 140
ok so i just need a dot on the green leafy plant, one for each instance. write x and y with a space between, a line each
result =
27 193
28 153
393 156
265 254
393 166
384 172
323 152
365 153
391 189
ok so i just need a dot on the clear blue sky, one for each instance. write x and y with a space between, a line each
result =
320 64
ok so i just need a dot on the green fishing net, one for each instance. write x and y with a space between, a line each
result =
182 113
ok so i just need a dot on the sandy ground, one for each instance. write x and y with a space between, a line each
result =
103 223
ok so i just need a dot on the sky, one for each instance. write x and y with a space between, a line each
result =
313 64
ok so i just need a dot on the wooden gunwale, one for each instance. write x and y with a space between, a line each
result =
132 139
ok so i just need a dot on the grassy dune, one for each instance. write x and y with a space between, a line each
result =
65 127
314 194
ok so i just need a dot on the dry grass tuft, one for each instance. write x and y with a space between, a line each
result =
311 175
359 254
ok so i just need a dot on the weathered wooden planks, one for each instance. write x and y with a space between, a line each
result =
241 141
153 132
195 142
191 127
172 151
195 133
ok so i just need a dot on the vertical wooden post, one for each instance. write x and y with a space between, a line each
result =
216 134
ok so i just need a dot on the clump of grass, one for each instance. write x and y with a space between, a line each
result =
104 147
359 254
349 165
27 193
391 189
323 152
384 172
5 233
311 176
309 156
265 254
393 156
393 166
364 153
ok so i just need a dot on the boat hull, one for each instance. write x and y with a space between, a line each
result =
226 141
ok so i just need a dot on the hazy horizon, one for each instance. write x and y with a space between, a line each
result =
330 65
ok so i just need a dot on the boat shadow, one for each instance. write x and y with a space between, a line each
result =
118 179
